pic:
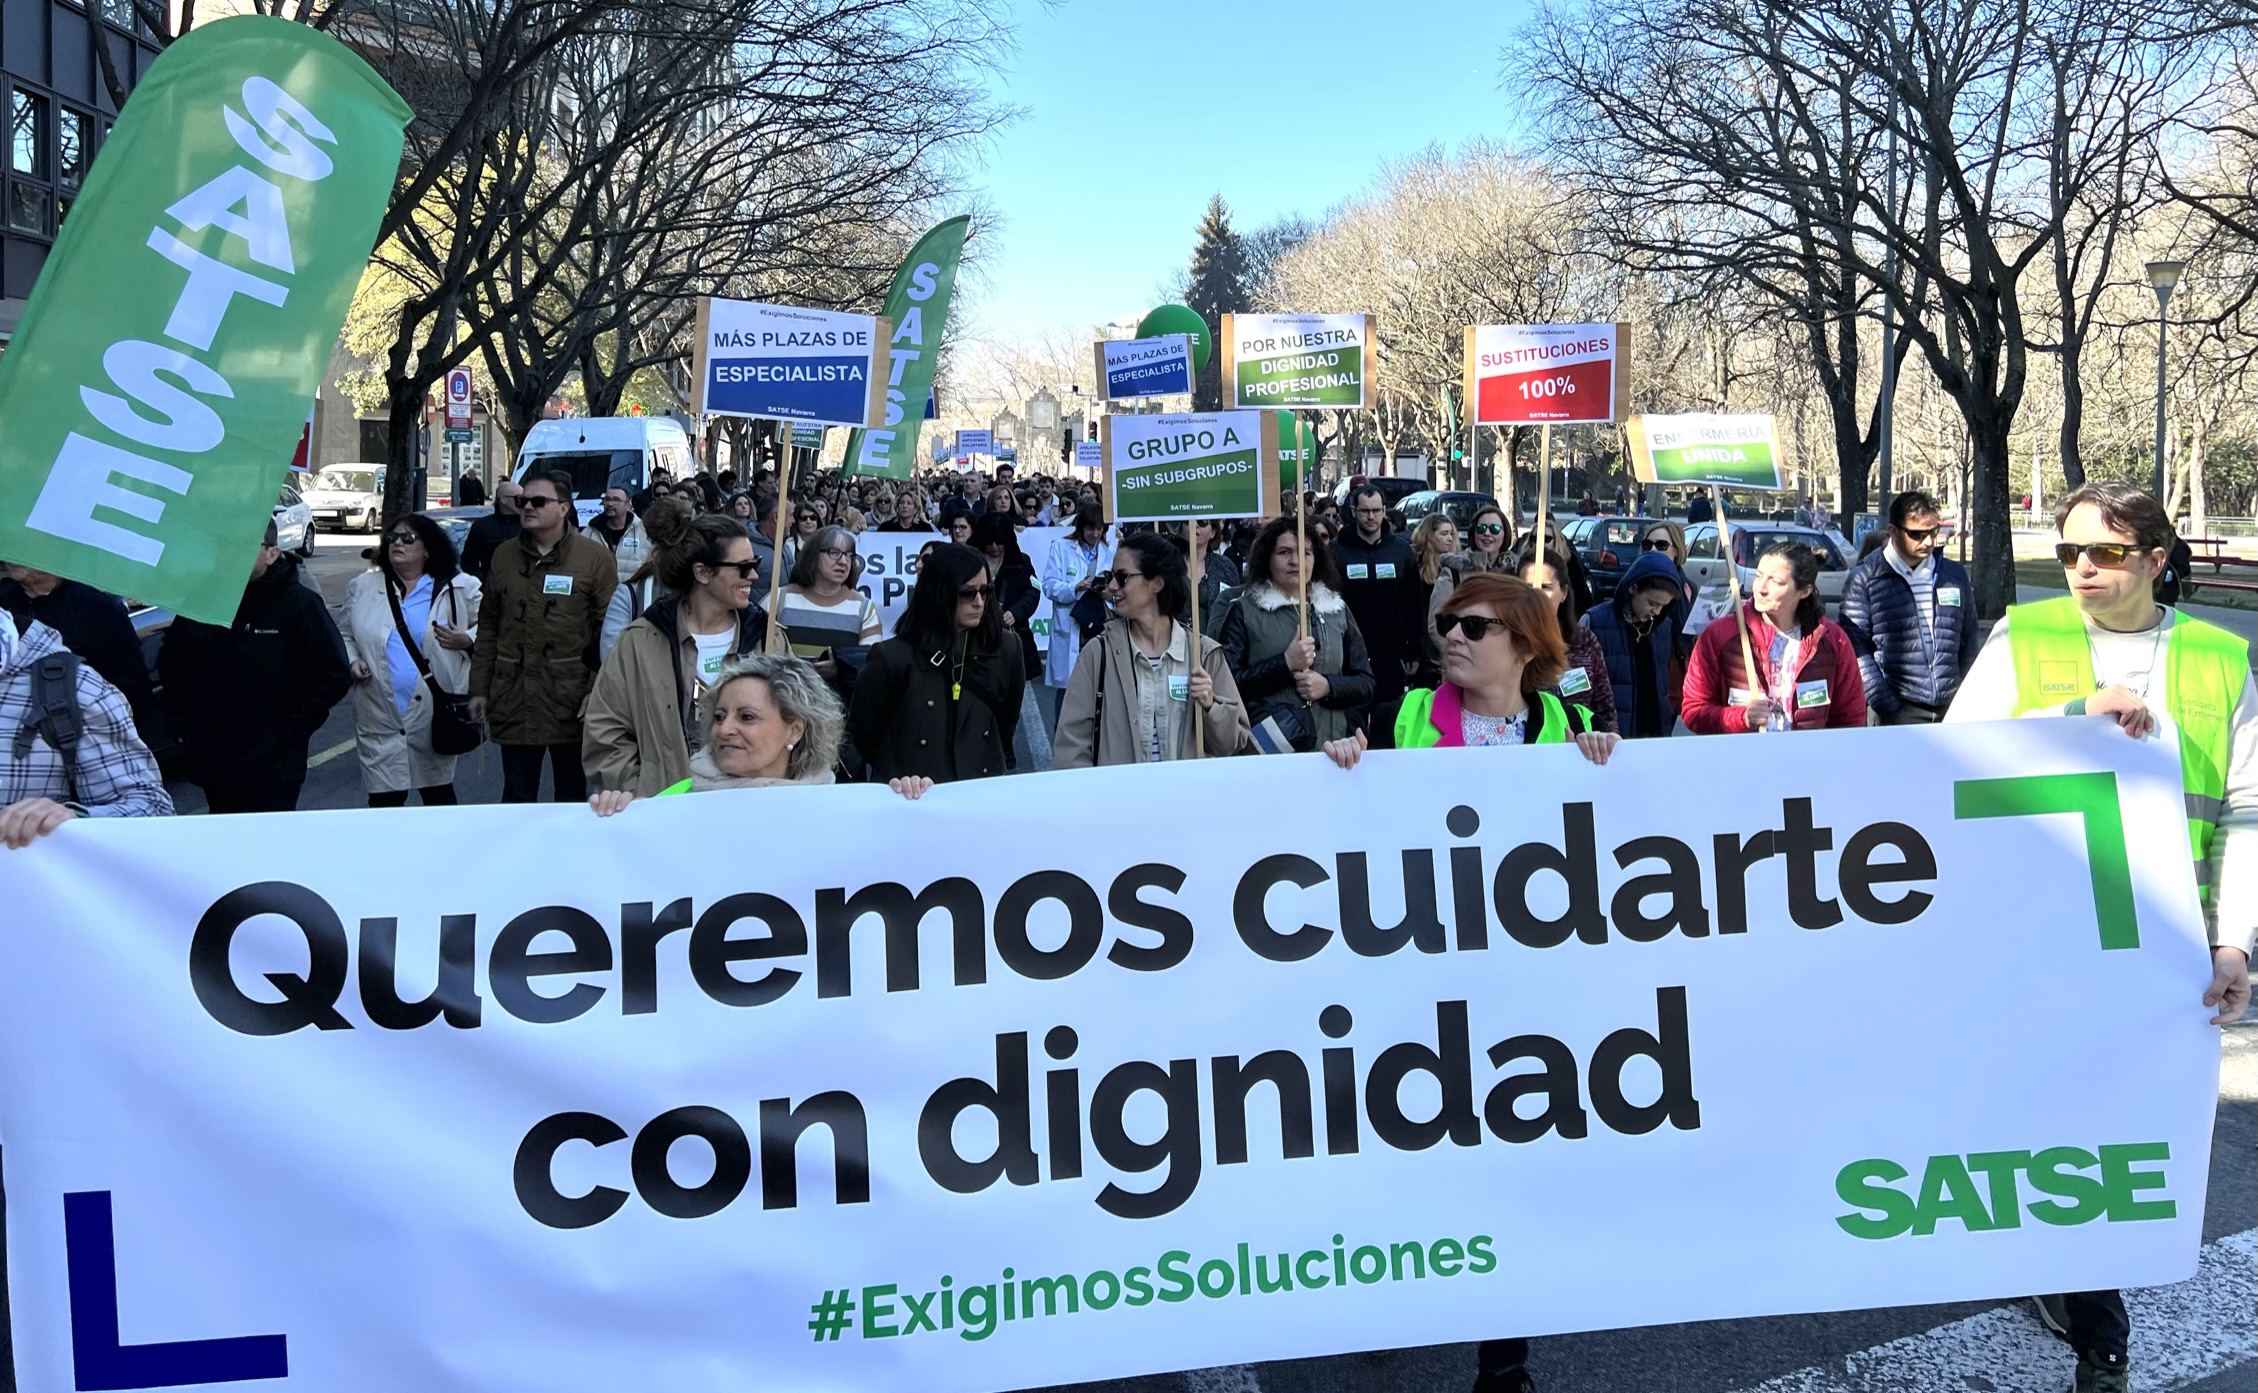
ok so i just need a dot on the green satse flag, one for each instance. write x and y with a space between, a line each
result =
157 386
918 308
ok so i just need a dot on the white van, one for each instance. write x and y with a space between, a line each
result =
602 452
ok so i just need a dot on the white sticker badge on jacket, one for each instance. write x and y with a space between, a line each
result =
556 585
1575 681
1948 595
1810 694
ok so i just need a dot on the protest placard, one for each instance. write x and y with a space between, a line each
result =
784 363
848 1108
1170 468
1547 374
156 387
1705 448
975 442
1273 362
1129 369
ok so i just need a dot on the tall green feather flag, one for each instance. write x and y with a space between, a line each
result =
157 386
918 308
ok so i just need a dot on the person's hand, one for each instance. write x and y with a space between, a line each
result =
1346 752
1410 668
26 822
1202 688
1759 712
478 710
2230 985
453 639
2119 704
1011 621
1311 686
826 667
1597 745
1301 654
360 671
610 801
912 788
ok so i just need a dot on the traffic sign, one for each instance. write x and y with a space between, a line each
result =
458 401
459 435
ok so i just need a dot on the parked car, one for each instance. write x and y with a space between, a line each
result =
1608 545
293 523
1393 491
455 522
1457 505
1705 565
347 497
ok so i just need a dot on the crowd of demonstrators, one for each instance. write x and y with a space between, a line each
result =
1147 688
1301 690
1583 673
1807 675
941 699
409 628
1073 579
540 632
1489 543
1910 614
245 699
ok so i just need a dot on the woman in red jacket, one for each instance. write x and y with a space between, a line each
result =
1806 674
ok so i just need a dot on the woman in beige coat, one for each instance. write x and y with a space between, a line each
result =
1136 693
391 703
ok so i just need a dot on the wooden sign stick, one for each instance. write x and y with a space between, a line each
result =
1199 724
1302 445
1733 581
1538 551
778 520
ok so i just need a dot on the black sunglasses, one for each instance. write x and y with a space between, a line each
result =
1477 626
403 539
1488 527
2107 555
1920 534
535 500
1122 578
972 592
744 569
1655 544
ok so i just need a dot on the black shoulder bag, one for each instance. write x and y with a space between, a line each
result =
453 732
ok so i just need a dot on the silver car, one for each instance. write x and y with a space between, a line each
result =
293 523
1705 565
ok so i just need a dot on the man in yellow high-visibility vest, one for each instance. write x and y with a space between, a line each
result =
2108 649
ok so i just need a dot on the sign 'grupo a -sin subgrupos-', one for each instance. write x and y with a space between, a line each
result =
1547 374
783 363
1276 362
1168 468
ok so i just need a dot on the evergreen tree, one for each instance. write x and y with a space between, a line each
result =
1218 287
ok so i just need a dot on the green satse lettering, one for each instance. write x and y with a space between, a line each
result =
2000 1167
1866 1184
1947 1192
2049 1172
2119 1182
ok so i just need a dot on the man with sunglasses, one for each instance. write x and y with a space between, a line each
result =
2108 649
1910 613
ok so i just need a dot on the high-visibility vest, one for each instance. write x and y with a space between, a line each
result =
1416 731
2204 671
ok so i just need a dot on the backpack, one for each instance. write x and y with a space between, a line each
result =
55 716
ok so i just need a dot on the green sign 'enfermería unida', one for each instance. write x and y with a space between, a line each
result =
1705 448
157 386
1276 362
1168 468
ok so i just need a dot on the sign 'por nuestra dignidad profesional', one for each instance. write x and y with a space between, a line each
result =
1167 468
779 362
849 1109
1273 362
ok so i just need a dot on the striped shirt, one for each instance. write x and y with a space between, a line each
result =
851 621
1923 579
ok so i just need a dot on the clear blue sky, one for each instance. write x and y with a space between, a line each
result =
1099 189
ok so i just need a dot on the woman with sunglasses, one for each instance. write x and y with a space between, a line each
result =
641 725
1315 688
1501 650
941 699
414 596
1137 689
1806 671
1489 542
1583 675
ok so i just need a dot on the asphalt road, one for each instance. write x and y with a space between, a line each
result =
2202 1337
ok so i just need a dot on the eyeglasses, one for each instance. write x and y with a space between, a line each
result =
2107 555
1655 544
744 569
536 500
1477 626
843 553
1122 578
1488 529
1920 534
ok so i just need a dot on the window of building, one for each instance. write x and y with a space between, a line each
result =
31 202
118 12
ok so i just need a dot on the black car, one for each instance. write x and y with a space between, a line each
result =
1608 546
1457 505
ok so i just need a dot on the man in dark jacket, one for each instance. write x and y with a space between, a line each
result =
93 624
1380 581
492 530
1910 612
246 700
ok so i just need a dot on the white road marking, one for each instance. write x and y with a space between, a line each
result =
1228 1378
2181 1334
329 754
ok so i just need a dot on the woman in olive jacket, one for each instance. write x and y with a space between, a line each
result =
940 700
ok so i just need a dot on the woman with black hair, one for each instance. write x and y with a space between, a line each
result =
1017 596
1137 688
416 595
1806 674
1314 688
941 699
641 724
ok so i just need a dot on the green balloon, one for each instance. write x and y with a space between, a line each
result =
1180 319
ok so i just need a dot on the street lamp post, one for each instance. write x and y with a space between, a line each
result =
2162 276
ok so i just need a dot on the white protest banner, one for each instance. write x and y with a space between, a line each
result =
1546 374
975 442
780 362
889 569
1274 362
1168 468
1463 1043
1132 368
